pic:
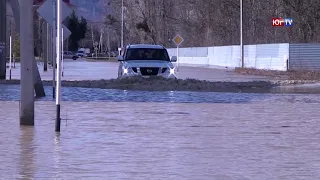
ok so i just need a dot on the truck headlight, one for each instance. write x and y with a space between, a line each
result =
125 71
171 70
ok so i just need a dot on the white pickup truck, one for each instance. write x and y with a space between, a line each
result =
83 52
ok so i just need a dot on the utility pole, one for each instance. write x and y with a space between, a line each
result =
3 39
27 62
54 33
122 25
241 34
45 45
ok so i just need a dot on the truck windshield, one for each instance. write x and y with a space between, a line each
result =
147 54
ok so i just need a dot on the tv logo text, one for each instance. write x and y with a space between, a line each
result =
282 21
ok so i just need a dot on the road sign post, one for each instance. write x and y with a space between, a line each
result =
59 54
10 53
178 40
54 12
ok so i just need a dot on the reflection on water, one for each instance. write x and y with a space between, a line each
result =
12 92
123 135
127 140
27 153
57 154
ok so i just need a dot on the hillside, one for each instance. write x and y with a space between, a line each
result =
216 22
206 22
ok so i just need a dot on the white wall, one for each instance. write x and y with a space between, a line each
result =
260 56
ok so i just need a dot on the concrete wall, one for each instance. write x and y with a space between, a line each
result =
260 56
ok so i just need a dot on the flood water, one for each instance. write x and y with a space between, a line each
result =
111 134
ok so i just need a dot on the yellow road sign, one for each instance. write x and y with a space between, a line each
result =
178 40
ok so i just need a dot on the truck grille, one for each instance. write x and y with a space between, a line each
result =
149 71
164 70
135 69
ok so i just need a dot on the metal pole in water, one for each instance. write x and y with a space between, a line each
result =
10 52
58 58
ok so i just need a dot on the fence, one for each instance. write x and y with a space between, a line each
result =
260 56
304 56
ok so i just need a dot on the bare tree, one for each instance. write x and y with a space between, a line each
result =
213 22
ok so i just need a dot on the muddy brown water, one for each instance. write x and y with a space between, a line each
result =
109 134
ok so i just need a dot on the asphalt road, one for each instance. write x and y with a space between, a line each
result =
87 70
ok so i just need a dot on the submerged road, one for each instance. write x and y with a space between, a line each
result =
116 134
88 70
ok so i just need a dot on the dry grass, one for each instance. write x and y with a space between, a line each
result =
283 75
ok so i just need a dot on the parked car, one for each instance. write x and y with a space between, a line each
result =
146 60
69 55
80 53
114 53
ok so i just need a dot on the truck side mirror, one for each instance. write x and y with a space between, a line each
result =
120 58
174 59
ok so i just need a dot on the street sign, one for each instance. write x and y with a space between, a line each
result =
96 44
178 40
46 11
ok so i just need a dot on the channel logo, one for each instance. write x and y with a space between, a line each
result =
282 22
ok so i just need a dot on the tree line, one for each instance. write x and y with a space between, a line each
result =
199 22
76 25
213 22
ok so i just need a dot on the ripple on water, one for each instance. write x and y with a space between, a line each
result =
128 140
12 93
